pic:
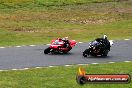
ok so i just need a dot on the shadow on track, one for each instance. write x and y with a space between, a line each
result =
60 54
100 57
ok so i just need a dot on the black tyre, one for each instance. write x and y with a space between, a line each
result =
105 53
47 50
86 53
70 48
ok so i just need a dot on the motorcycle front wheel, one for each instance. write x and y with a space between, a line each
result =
47 50
86 53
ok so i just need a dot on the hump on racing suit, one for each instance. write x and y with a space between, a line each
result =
105 42
59 41
66 42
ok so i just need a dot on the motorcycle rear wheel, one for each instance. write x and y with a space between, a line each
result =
47 50
105 53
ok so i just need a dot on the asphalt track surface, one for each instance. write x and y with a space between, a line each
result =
29 57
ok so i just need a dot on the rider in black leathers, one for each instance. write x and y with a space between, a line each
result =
105 42
66 42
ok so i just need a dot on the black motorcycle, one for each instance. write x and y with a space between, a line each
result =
96 49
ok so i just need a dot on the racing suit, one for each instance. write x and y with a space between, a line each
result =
104 42
59 42
66 43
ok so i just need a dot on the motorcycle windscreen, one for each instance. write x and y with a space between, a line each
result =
94 43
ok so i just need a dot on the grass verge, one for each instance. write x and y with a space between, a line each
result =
62 77
27 22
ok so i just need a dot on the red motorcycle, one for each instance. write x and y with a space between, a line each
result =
60 46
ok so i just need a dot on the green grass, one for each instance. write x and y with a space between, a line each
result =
62 77
24 22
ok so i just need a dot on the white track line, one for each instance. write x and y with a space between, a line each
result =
126 39
14 69
94 63
55 66
127 61
3 70
82 64
21 69
25 68
48 44
80 42
68 65
38 67
111 62
2 47
51 66
32 45
18 46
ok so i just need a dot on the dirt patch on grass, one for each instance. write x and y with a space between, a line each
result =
74 21
30 30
